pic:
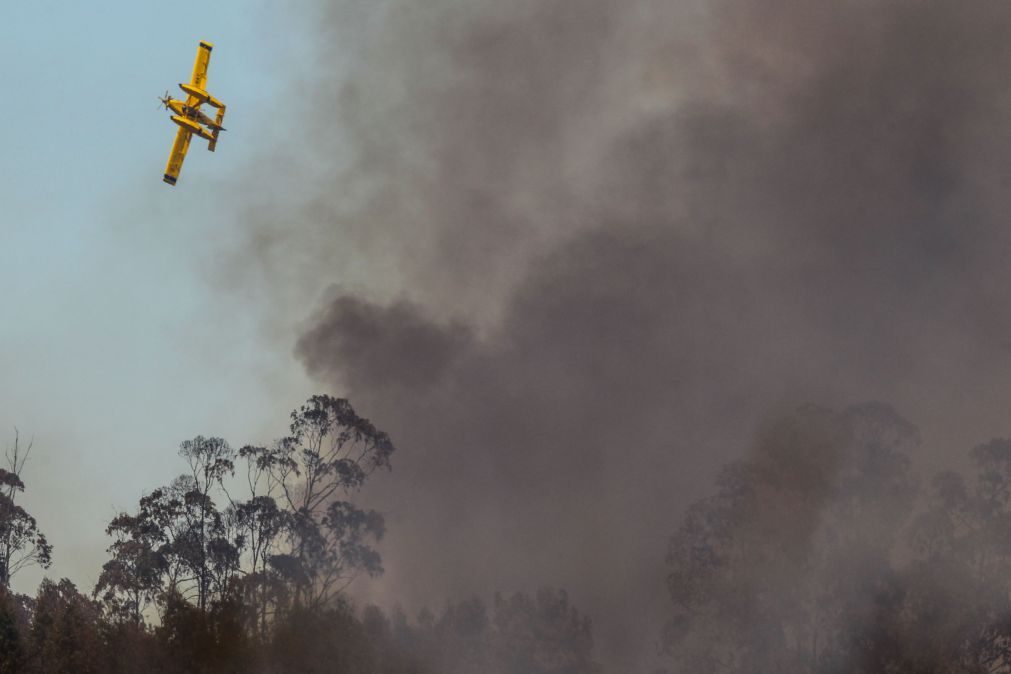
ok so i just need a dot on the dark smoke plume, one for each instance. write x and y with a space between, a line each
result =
602 240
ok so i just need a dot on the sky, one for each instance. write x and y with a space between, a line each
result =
115 345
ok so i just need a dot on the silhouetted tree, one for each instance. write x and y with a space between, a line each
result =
22 544
255 587
261 522
178 542
204 545
135 576
231 582
311 474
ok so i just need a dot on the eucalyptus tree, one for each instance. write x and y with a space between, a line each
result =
295 541
22 543
312 475
179 541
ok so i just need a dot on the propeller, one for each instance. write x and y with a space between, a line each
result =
165 99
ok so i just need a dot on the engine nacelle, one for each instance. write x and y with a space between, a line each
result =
192 127
201 95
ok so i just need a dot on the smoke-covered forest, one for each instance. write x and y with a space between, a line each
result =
240 564
618 237
820 552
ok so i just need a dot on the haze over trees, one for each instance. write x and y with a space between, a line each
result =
820 551
239 565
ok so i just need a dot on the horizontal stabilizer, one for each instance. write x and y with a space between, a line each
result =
217 128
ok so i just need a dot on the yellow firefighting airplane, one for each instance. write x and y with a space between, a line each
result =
189 117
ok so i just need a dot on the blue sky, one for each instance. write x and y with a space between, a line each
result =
116 343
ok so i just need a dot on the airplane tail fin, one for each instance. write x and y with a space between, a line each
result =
217 128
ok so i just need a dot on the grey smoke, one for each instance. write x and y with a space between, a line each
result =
602 240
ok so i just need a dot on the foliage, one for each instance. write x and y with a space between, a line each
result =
12 655
22 544
201 582
64 633
324 540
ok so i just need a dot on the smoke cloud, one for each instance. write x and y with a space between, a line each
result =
602 241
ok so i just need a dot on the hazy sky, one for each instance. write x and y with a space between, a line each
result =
568 252
115 344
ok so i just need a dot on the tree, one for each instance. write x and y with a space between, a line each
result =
205 546
208 641
64 635
543 634
261 522
178 542
521 634
135 576
293 544
312 473
22 544
960 583
787 568
12 655
330 639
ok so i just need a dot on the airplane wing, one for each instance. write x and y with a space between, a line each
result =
199 78
175 161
